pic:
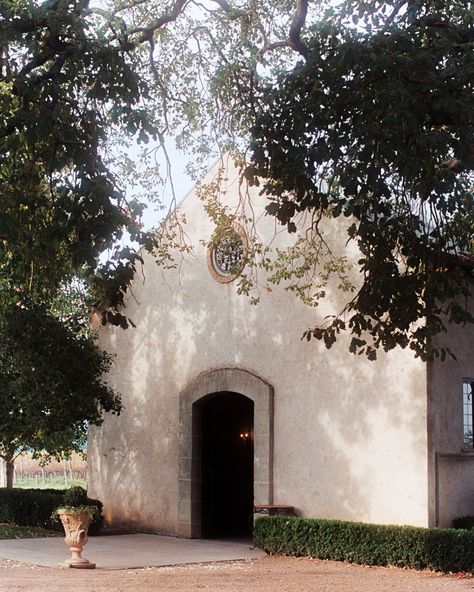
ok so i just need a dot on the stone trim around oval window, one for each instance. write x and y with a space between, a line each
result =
218 274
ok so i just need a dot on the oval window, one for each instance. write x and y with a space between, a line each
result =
226 254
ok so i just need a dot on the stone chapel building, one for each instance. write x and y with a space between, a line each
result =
226 407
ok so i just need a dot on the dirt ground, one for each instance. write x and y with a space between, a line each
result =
269 574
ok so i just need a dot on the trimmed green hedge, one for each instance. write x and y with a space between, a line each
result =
438 549
29 507
33 507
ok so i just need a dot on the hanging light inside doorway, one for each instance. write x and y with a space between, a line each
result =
245 436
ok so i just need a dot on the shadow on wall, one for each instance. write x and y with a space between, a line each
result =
370 443
332 411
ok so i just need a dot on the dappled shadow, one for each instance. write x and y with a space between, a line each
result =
349 434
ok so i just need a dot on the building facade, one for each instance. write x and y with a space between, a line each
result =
226 407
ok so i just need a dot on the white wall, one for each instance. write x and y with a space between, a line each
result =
350 438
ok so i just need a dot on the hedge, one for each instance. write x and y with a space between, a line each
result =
33 507
29 507
438 549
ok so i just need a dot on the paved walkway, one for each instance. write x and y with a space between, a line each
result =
129 551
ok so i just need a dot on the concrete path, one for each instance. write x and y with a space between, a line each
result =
129 551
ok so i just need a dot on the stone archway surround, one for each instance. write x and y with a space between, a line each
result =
222 380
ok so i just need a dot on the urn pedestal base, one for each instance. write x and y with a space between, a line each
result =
84 564
76 524
77 561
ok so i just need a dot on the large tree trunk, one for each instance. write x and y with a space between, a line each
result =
10 471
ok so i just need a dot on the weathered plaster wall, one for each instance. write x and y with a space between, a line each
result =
349 435
451 466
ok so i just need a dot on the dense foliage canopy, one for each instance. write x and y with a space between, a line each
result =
376 125
51 384
360 111
60 206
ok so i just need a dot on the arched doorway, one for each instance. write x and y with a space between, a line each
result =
222 381
225 423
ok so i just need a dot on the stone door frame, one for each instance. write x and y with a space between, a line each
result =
189 490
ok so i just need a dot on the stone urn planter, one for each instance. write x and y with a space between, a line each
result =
76 521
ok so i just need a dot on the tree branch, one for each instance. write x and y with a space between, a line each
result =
296 26
146 33
232 12
272 46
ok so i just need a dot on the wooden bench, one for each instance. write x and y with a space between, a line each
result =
274 510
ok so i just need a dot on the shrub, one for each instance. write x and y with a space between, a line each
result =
34 507
371 544
77 496
29 507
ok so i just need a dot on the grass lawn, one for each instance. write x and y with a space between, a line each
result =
10 531
49 483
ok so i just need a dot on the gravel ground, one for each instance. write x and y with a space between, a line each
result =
269 574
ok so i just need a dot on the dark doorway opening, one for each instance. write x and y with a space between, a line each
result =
227 465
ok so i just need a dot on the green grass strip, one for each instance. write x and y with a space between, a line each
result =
10 531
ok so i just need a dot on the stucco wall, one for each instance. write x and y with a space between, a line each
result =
451 466
349 436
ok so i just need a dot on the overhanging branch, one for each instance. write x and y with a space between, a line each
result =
146 33
297 24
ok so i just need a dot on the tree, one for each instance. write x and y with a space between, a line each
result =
51 385
61 207
78 81
74 90
375 126
360 111
77 85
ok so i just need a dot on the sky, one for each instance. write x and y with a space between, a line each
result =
182 184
